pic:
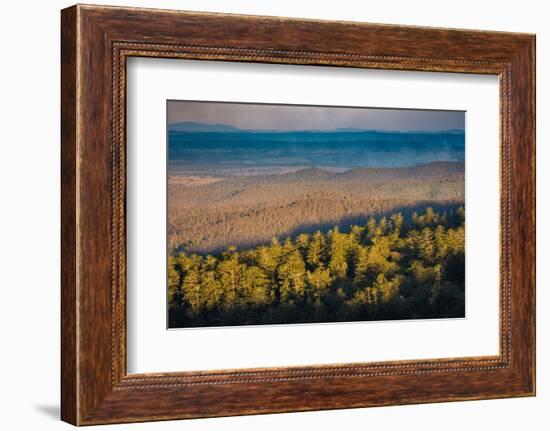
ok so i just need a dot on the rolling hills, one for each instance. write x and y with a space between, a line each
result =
208 213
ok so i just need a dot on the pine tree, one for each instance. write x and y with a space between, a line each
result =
415 219
212 291
229 272
319 282
397 222
426 245
388 290
316 250
288 246
440 243
192 289
436 270
174 288
338 263
291 277
361 279
382 226
356 234
371 227
430 217
254 285
302 243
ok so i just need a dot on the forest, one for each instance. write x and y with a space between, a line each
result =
211 210
394 266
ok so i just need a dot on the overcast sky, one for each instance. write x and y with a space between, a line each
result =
296 117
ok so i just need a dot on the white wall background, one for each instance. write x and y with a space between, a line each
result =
29 215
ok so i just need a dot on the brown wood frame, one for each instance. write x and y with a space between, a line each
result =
95 43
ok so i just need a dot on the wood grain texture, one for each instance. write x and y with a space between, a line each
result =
96 41
69 367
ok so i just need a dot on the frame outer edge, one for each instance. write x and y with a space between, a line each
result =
529 62
523 216
87 397
532 82
533 53
69 202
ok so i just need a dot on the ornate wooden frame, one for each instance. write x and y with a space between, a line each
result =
95 42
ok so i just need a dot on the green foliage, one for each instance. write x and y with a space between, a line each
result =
387 269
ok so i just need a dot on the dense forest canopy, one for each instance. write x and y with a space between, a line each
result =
389 268
208 213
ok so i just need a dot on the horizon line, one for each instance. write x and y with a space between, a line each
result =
349 128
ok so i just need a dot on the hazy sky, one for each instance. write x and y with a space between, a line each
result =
295 117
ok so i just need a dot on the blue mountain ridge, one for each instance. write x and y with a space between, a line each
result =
342 149
197 127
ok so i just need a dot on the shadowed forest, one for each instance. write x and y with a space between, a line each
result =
389 268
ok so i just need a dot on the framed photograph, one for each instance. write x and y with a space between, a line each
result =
265 215
272 214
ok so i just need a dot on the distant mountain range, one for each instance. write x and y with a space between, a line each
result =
191 126
196 127
207 147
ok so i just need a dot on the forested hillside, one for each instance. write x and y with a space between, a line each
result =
391 267
207 213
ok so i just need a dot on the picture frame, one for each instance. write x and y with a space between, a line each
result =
96 42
